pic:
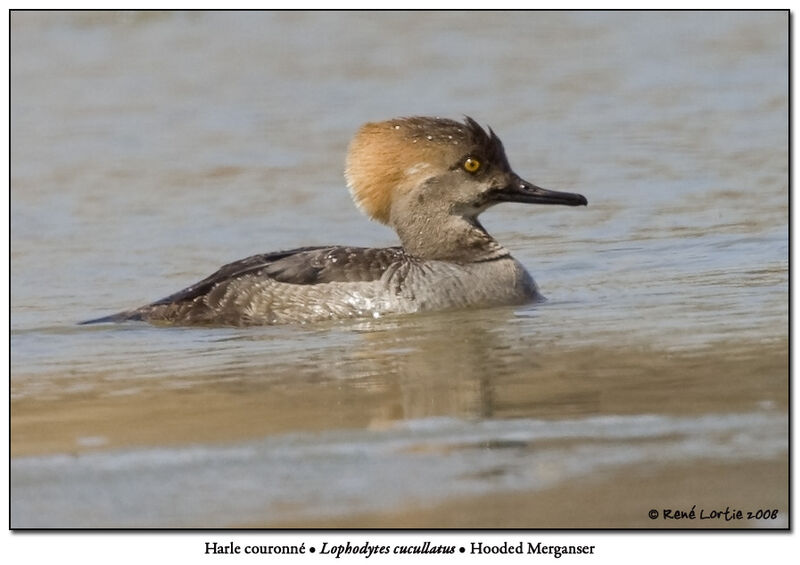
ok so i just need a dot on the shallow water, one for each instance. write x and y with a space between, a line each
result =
148 149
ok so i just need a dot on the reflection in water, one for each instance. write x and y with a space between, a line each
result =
421 409
464 365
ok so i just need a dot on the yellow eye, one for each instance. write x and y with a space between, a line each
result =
471 165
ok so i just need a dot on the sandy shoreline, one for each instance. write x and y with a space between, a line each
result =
619 499
218 410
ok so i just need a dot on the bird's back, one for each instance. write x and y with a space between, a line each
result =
325 283
275 288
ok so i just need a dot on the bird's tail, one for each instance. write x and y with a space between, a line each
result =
114 318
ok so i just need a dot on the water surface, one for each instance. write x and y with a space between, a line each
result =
149 149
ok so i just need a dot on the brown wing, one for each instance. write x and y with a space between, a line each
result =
305 265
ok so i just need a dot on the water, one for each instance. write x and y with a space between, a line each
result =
423 461
149 149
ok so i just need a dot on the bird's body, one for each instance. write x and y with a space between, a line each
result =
428 178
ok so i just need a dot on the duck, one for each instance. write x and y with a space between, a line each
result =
429 179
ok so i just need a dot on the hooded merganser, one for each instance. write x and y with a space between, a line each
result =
429 179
